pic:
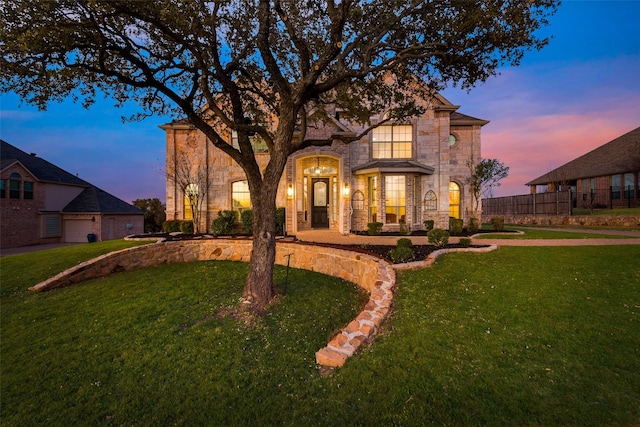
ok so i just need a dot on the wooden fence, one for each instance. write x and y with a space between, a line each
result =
557 203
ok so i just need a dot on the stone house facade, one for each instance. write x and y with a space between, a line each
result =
399 174
42 203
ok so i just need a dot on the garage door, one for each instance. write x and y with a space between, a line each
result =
76 230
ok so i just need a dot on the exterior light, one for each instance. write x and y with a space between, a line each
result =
345 190
290 191
317 165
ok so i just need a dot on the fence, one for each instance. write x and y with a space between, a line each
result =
562 202
558 203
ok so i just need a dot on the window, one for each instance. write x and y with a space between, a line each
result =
14 186
357 201
395 200
240 197
3 188
430 202
454 200
416 198
452 140
51 226
190 200
615 187
27 190
373 198
628 186
391 142
258 144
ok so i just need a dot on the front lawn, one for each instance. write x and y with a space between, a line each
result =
537 234
518 336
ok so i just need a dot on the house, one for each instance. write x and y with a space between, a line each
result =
399 174
42 203
607 177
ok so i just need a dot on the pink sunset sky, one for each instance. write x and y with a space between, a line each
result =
579 92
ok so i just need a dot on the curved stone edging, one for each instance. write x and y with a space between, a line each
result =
370 273
428 262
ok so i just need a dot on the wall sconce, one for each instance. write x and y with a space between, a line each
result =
290 191
345 190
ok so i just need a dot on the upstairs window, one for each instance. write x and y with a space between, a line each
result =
14 186
3 188
27 190
392 142
258 144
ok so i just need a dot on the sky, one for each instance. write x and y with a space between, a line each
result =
579 92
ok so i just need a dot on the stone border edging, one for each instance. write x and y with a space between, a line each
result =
428 262
373 274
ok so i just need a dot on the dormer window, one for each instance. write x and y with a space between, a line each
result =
392 142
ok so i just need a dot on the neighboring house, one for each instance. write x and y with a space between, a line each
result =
398 174
606 177
41 203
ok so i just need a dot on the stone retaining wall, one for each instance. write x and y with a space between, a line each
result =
370 273
630 221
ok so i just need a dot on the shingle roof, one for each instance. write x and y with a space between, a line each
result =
40 168
93 199
393 166
90 200
618 156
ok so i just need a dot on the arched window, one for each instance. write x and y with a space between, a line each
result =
190 200
240 197
14 185
454 200
357 201
430 201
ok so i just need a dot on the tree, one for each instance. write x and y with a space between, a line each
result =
485 175
259 67
154 213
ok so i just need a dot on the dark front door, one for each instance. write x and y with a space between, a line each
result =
320 203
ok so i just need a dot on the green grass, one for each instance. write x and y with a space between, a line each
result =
535 234
518 336
18 272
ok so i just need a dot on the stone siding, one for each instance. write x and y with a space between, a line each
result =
631 221
370 273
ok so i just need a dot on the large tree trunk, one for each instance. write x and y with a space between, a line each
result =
259 289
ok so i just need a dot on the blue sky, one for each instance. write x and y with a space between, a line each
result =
578 93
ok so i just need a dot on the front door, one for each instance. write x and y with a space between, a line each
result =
320 203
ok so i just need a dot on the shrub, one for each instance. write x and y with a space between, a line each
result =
474 225
455 225
246 217
224 223
404 243
280 221
428 224
438 237
498 223
374 228
401 253
465 241
171 226
404 228
186 227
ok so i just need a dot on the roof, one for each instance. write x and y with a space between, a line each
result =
90 200
459 119
93 199
393 166
615 157
41 169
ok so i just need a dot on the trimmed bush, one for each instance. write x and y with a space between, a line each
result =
404 243
455 225
438 237
374 228
474 225
404 228
401 253
224 223
171 226
465 241
497 222
186 227
246 217
428 224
